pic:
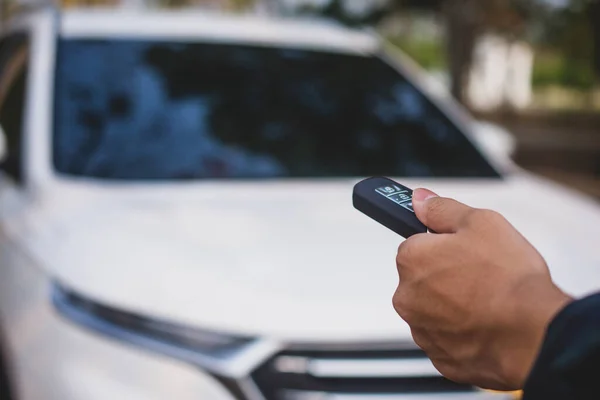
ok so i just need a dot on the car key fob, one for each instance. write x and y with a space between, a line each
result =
388 203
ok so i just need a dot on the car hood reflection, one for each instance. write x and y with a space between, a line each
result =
293 261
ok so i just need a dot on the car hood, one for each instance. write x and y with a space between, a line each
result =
288 260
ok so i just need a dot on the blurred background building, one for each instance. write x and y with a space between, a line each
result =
530 65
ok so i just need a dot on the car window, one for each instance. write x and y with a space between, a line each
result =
182 110
14 53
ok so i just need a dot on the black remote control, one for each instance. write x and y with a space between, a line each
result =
388 203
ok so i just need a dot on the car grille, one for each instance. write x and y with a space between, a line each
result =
356 374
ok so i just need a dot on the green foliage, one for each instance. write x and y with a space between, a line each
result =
553 68
430 54
566 54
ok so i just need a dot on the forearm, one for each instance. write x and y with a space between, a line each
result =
568 366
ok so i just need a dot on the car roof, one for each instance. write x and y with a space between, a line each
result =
215 27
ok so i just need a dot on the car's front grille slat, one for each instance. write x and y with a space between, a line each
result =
324 374
303 395
366 368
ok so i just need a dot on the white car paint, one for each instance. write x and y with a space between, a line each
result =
300 250
287 262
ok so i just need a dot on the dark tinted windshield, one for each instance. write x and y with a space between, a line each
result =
155 110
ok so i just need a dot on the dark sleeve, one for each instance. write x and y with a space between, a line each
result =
568 366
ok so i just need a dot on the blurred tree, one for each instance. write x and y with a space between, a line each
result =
226 5
573 34
594 21
87 3
173 3
467 20
242 4
7 7
10 7
464 20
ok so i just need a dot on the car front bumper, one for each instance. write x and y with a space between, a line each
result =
57 358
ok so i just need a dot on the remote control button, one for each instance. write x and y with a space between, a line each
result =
408 206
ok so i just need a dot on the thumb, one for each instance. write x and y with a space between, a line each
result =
439 214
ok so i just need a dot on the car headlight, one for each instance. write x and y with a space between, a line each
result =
142 330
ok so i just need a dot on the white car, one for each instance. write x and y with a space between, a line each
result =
176 210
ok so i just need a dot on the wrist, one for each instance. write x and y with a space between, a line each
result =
533 314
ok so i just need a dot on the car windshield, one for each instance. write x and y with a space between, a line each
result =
156 110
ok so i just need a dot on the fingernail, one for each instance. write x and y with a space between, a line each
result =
420 195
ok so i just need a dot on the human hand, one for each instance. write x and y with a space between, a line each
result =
476 295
